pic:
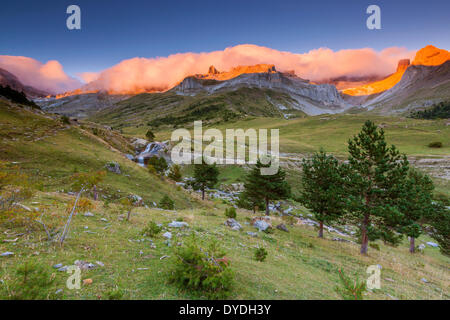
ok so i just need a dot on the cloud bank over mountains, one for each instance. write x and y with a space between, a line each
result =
49 76
153 74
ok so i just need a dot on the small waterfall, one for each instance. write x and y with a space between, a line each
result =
151 149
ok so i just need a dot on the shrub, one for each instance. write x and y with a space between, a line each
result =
230 212
436 144
151 169
159 163
260 254
115 294
83 205
167 203
151 230
374 246
350 289
204 269
32 282
290 220
65 119
175 173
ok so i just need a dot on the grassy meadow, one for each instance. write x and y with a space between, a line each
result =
298 266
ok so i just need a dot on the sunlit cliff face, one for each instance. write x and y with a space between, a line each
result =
382 85
427 56
431 56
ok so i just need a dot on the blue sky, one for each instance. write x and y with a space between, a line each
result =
116 30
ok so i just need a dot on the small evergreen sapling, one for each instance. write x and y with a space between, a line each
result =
230 212
350 289
167 203
322 188
260 254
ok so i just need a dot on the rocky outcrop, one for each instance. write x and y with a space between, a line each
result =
381 85
419 87
402 65
431 56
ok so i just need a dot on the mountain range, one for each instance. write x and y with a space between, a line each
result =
261 90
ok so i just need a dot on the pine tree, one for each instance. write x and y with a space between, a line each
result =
322 188
440 221
250 201
415 204
205 176
266 187
373 172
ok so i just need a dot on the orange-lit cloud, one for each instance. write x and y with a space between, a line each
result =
49 77
145 74
162 73
88 76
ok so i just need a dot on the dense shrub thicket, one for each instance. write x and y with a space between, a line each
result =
437 111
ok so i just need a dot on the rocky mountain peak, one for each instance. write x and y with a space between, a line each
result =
431 56
213 70
403 64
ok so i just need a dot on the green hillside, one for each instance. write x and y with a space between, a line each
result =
168 108
51 152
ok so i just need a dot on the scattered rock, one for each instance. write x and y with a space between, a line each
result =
432 244
136 200
392 297
178 224
83 265
104 220
233 224
252 234
63 269
167 235
282 227
113 167
57 266
424 280
421 247
88 214
389 279
6 254
261 223
340 239
163 257
139 144
101 264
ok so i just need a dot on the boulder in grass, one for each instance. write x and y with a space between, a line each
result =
233 224
282 227
261 223
178 224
